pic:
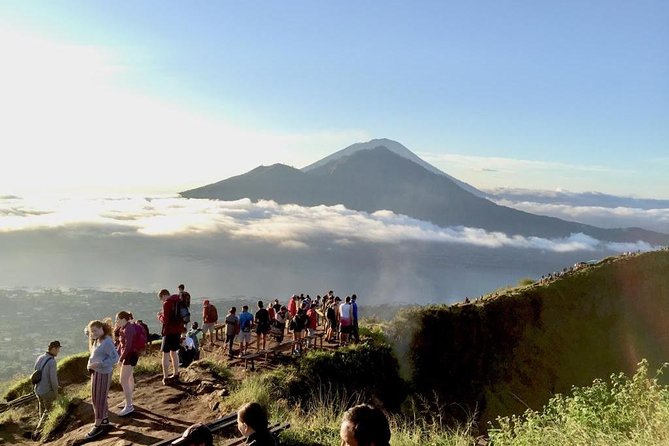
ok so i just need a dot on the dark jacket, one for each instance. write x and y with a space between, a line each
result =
261 439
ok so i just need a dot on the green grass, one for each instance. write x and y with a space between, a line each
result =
57 414
620 411
218 369
149 365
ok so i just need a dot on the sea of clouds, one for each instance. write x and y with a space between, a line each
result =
287 226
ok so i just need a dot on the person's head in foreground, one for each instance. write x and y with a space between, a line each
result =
364 425
251 419
196 435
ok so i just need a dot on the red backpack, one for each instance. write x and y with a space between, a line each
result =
139 338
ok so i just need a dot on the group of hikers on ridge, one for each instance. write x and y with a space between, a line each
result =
127 339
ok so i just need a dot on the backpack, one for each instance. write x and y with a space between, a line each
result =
185 298
139 338
36 376
212 313
180 313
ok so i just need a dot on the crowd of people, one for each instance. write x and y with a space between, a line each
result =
126 339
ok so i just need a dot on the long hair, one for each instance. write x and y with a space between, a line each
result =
107 329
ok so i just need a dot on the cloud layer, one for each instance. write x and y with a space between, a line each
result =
288 226
607 211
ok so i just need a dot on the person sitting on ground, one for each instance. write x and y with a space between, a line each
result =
192 333
364 425
186 351
253 424
231 329
262 326
196 435
245 326
46 389
209 320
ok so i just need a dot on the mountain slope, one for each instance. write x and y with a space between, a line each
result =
377 179
507 352
397 149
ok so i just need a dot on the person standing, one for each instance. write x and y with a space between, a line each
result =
231 329
184 296
172 328
245 326
354 311
46 389
312 324
100 365
129 335
345 320
209 320
262 325
292 305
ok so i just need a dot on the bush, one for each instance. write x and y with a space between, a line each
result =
623 411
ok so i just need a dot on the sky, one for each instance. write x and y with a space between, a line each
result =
158 97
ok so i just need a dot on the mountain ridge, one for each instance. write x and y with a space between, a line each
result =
379 179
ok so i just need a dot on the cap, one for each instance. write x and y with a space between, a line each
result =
196 434
54 344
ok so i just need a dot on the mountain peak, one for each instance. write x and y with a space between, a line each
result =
396 148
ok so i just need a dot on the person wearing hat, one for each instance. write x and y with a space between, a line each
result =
196 435
46 389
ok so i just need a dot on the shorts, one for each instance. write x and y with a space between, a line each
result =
245 336
209 327
345 329
332 324
262 329
171 343
131 359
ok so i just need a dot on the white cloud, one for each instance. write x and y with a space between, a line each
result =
70 124
288 226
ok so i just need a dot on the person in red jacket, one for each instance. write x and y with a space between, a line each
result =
172 327
209 319
128 358
292 305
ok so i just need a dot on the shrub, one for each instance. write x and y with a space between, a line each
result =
622 411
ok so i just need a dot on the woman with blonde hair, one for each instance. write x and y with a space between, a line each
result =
100 364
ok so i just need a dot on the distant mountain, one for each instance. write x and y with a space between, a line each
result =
397 149
375 179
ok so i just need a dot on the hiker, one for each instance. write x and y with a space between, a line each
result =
345 320
277 306
132 341
196 435
186 351
279 325
209 320
148 335
312 324
292 305
262 325
192 333
364 425
46 388
231 329
253 424
172 327
100 365
331 316
184 296
354 311
298 325
245 326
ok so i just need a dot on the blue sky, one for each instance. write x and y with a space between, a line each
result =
545 95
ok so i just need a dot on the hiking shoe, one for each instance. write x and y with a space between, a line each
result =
95 432
127 410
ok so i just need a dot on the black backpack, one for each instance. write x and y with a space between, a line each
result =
36 376
181 313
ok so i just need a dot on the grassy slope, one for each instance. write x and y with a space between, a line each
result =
508 352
